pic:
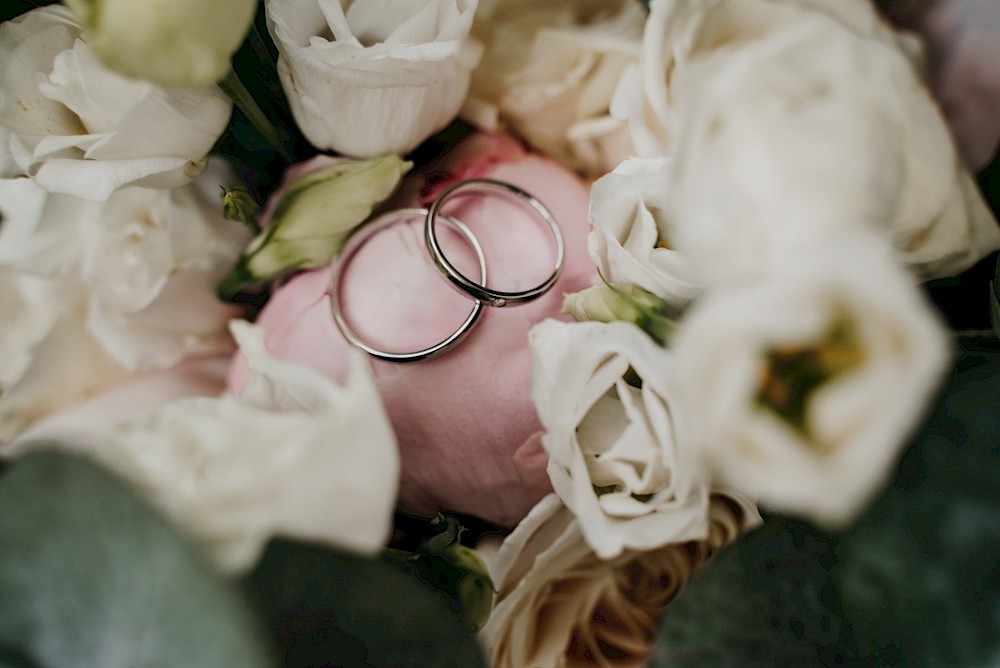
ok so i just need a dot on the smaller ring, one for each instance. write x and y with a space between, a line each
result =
355 242
476 290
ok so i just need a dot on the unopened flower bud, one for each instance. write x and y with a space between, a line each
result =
612 301
239 205
313 217
168 42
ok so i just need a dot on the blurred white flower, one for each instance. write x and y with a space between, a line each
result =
678 32
549 72
169 42
630 240
367 78
86 422
802 389
48 360
791 121
78 128
620 301
296 455
99 289
558 604
602 396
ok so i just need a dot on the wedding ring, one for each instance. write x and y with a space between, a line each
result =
479 291
362 236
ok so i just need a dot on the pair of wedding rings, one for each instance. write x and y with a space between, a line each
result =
480 293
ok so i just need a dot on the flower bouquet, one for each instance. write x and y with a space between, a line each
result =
499 333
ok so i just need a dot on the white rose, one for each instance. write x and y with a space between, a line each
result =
48 361
630 240
801 390
368 78
560 605
28 319
76 127
170 42
296 455
847 137
107 288
676 31
602 397
549 72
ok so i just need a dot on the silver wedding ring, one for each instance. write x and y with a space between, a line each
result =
362 236
480 291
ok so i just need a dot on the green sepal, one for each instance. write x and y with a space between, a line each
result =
455 571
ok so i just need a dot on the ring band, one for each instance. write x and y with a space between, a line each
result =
476 290
356 241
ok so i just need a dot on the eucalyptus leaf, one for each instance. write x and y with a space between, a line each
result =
327 608
920 574
766 600
89 576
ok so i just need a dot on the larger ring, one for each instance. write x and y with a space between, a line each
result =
355 242
476 290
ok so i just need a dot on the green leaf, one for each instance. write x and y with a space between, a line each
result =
326 608
89 576
919 574
766 600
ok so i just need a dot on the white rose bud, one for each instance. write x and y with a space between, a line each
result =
169 42
313 216
367 78
602 397
631 241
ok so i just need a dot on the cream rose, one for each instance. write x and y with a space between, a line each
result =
77 128
560 605
367 78
296 455
101 289
630 241
614 459
802 389
48 361
548 73
803 152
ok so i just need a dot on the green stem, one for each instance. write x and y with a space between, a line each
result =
241 97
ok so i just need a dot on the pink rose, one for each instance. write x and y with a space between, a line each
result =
466 425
